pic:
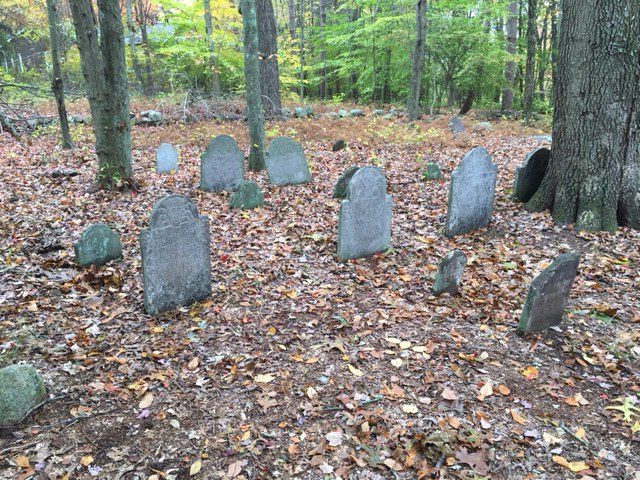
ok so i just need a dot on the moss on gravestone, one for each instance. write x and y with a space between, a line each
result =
21 389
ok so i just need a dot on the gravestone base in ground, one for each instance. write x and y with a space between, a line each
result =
97 246
286 164
450 273
247 196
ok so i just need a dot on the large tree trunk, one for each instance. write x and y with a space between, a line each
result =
255 115
268 54
417 70
105 75
131 39
594 174
510 68
56 75
211 45
529 78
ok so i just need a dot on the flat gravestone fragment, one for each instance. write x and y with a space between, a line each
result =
342 185
471 193
247 196
221 165
456 126
21 390
364 225
286 164
432 172
529 175
97 246
548 294
176 266
166 158
450 273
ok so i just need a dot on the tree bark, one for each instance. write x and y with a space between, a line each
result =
292 18
417 70
529 78
510 68
593 178
255 115
57 87
131 37
268 55
143 20
105 74
211 45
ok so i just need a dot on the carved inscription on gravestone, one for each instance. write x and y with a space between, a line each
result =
221 165
176 265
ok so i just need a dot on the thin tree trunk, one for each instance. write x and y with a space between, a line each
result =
354 15
417 70
268 54
593 178
510 68
211 45
142 19
543 57
57 86
301 46
255 115
529 76
131 37
292 18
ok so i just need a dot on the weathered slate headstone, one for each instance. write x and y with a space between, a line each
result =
286 164
166 158
247 196
364 226
456 126
450 273
176 266
342 185
471 193
432 172
97 246
21 390
548 294
529 175
221 165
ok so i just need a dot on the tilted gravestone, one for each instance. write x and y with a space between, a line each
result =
97 246
471 193
221 165
364 225
342 185
21 390
450 273
176 266
529 175
548 294
286 164
456 126
166 158
247 196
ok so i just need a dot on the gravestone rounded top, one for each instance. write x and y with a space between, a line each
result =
284 146
223 143
286 163
171 210
477 160
530 173
367 182
166 158
221 165
98 244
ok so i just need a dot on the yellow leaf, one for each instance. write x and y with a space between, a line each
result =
486 391
530 373
86 461
193 364
573 466
146 401
518 418
355 371
409 408
195 468
264 378
22 461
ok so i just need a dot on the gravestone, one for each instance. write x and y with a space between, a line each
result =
456 126
221 165
364 225
97 246
471 193
247 196
529 175
338 145
21 390
450 273
301 112
548 294
286 164
342 185
166 158
432 172
176 266
356 112
343 113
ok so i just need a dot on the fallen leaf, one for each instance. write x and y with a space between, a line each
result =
195 468
409 408
573 466
264 378
355 371
146 401
530 373
449 394
22 461
334 438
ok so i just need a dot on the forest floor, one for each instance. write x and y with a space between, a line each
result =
301 366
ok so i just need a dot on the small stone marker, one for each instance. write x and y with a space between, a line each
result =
548 294
176 266
247 196
338 145
471 193
97 246
378 112
343 113
300 112
357 112
21 390
456 126
166 158
342 185
286 164
432 172
221 165
364 226
450 273
529 175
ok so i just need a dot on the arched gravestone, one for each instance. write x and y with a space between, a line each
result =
286 164
471 193
176 267
98 245
548 294
456 126
166 158
529 175
364 225
221 165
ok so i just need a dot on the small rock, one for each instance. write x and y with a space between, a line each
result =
64 173
378 113
356 112
342 113
247 196
21 390
432 172
338 145
301 112
151 117
309 111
